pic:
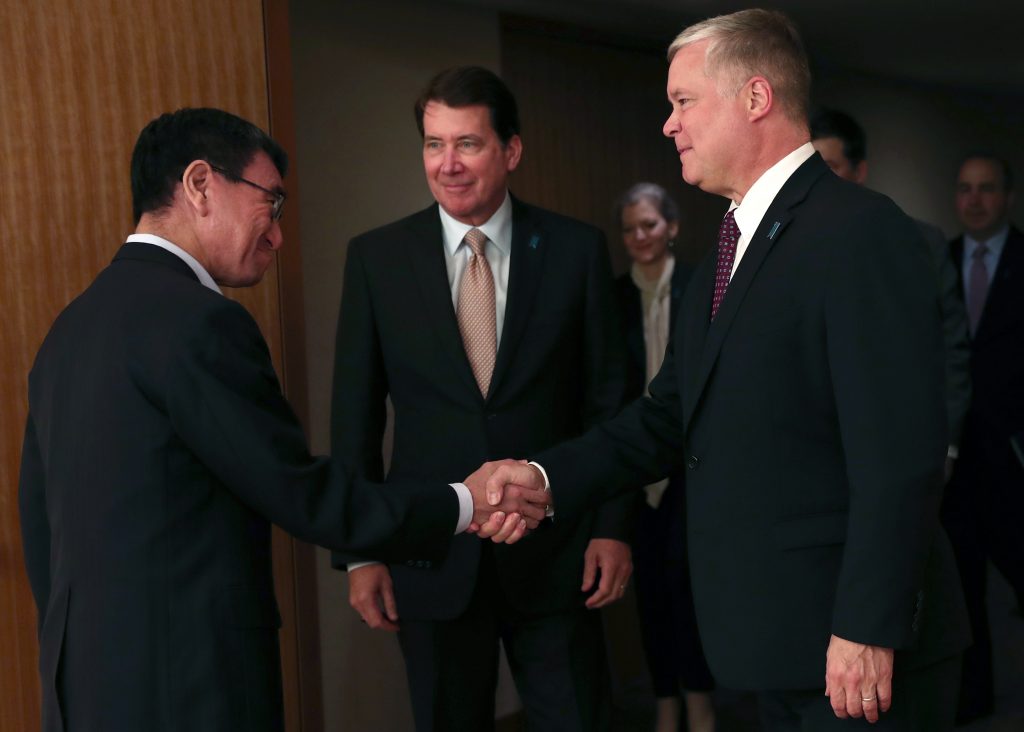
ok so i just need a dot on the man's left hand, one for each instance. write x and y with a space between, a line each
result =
615 560
858 679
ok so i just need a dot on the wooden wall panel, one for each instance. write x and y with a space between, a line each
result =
592 108
80 79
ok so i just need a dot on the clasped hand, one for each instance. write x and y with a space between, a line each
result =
506 509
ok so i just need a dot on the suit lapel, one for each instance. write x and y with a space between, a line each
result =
529 247
426 257
771 229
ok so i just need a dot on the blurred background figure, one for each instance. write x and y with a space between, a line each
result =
984 504
841 141
648 297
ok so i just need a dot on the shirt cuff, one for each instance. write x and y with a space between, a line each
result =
549 510
359 565
953 452
465 506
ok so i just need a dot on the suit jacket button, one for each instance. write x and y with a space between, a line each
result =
693 462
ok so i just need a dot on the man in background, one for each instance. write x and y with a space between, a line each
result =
984 505
842 144
159 448
491 326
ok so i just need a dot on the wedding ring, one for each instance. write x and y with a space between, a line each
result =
867 698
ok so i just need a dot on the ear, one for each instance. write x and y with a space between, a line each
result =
513 152
758 97
860 172
673 229
195 184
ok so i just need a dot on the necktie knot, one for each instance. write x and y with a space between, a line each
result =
979 252
476 240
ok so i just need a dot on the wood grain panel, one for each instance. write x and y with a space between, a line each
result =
592 108
80 79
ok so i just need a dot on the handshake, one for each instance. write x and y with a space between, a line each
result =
510 499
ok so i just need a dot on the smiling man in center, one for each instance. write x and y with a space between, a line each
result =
491 326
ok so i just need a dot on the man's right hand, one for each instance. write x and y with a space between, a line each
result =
371 594
507 514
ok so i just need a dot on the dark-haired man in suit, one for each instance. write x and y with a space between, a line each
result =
803 389
490 324
984 505
159 448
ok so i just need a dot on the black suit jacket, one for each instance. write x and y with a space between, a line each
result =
157 451
812 409
632 317
997 364
558 371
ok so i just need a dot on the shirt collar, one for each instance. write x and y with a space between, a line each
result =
498 228
766 188
995 243
192 262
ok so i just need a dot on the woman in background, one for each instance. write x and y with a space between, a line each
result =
648 297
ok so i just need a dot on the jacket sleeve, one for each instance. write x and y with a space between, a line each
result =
225 403
885 356
358 412
605 382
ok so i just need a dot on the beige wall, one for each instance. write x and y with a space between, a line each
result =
916 136
359 65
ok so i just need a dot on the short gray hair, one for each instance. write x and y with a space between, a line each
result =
750 43
652 193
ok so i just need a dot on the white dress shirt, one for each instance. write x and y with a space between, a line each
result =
497 250
192 262
760 196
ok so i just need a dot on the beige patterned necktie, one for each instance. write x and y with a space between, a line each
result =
477 318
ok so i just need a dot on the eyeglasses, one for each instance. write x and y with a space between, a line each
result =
278 196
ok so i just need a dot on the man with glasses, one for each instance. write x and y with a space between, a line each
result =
159 448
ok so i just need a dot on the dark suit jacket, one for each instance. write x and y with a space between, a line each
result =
158 450
673 547
812 409
954 330
997 362
558 370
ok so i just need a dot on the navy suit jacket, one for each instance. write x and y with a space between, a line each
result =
810 416
158 450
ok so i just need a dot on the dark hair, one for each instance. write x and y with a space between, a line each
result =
833 123
1000 162
648 192
172 141
467 86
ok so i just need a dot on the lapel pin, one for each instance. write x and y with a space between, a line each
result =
775 228
534 241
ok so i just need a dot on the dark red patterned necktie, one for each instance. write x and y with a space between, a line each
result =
728 235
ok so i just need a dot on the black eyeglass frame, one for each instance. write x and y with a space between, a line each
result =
278 196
